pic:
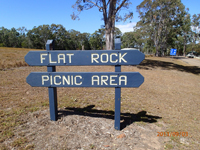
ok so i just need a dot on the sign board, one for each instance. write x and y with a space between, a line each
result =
84 58
53 79
173 52
87 79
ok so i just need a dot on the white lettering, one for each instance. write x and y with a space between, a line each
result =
51 80
111 79
105 58
121 57
57 83
70 57
123 78
104 80
75 80
95 80
61 57
104 54
45 78
95 58
42 58
66 80
111 60
72 80
50 61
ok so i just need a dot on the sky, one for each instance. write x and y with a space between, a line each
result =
30 13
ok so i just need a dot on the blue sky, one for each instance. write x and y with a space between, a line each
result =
30 13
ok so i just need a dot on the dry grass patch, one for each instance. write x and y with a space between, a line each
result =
169 97
12 57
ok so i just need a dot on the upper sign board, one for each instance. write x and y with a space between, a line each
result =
84 58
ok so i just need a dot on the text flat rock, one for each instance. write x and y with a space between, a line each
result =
84 58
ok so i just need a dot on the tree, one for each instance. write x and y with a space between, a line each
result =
97 39
22 37
128 40
84 41
4 37
160 18
60 35
111 13
74 39
185 30
195 34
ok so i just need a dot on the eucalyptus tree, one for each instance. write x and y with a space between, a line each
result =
74 39
97 39
4 37
195 34
13 36
84 41
22 37
185 30
60 35
159 18
128 40
110 10
45 34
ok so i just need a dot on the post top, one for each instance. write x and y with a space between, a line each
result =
49 41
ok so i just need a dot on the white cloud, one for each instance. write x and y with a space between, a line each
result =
127 27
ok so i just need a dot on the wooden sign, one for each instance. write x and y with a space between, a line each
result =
53 79
80 79
84 58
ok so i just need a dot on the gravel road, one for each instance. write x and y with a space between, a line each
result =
191 61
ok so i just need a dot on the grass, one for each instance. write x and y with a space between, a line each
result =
170 91
12 57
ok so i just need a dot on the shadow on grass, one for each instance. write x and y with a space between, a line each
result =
153 64
126 118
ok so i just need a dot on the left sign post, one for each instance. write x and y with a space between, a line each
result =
52 90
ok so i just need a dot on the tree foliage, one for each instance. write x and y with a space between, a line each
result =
195 32
110 10
161 19
64 39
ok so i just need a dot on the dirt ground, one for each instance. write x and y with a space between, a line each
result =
167 101
79 131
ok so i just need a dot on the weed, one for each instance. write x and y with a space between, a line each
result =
169 146
92 146
175 139
19 142
6 134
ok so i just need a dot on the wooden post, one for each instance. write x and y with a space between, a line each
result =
117 101
52 90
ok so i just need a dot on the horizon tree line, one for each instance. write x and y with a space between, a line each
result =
163 24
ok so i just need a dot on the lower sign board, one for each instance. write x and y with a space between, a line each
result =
86 79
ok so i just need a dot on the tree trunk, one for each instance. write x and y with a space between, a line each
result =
83 47
157 52
108 39
110 25
184 48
